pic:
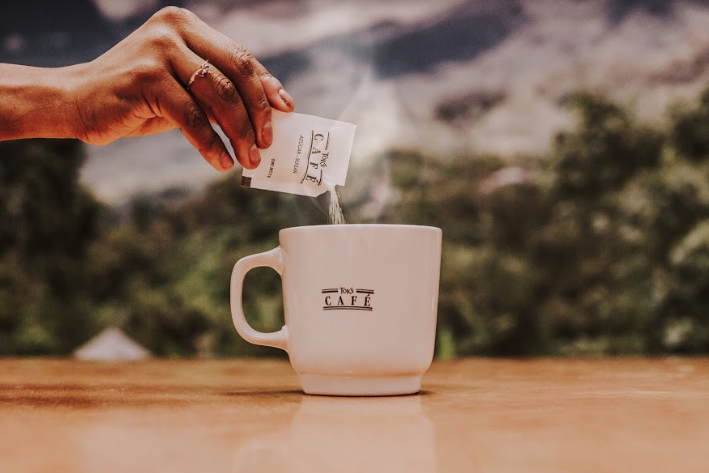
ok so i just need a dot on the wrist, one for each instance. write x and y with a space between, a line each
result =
37 102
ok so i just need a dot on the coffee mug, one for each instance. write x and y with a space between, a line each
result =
360 305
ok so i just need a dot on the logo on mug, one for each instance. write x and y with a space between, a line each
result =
347 298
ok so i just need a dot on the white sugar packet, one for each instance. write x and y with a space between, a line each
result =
309 155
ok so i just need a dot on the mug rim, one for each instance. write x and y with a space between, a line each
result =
358 226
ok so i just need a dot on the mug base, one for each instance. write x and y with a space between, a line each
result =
360 385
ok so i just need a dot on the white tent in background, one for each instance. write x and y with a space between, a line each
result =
111 345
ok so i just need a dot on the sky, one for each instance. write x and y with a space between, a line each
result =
446 76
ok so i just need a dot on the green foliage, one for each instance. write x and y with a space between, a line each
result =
599 248
163 273
47 221
606 150
690 129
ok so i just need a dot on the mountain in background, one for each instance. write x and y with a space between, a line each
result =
488 76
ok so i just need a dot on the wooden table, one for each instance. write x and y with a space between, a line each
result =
249 416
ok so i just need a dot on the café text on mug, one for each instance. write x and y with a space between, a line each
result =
347 298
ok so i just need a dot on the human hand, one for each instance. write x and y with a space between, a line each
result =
139 88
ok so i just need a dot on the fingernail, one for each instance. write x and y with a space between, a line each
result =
285 97
254 156
226 162
267 134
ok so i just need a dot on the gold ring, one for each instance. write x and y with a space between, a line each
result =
201 72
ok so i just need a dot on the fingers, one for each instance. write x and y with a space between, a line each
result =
219 98
258 89
277 95
237 93
178 106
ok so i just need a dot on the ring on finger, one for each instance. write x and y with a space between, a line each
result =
201 72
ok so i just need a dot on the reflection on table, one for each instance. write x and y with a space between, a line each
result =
346 435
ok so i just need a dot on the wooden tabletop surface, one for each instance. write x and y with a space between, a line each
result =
473 415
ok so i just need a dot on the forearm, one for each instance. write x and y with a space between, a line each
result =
139 87
36 103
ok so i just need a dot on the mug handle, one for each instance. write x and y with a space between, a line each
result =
272 259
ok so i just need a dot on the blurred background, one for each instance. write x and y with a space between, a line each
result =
561 145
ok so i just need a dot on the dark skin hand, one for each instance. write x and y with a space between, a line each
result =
139 87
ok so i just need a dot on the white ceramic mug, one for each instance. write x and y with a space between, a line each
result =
360 305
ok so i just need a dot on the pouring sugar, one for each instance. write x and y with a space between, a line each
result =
335 211
309 155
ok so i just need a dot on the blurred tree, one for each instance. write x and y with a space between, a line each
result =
689 129
47 220
600 247
597 277
607 149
